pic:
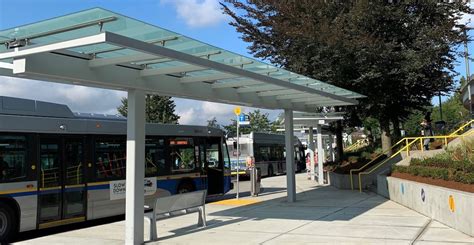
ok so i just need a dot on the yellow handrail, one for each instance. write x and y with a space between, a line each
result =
407 147
462 127
358 143
371 161
406 139
382 163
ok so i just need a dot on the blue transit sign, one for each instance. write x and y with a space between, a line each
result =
244 119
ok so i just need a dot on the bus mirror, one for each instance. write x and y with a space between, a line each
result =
234 144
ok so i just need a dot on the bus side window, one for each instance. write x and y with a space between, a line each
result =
182 154
225 156
212 155
155 157
13 164
110 159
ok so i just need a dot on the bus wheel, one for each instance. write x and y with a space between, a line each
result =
7 222
270 171
185 187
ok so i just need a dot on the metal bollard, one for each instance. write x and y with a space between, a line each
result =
255 181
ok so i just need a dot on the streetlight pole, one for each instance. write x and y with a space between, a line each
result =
238 158
468 73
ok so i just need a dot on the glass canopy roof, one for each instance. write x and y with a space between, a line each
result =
95 21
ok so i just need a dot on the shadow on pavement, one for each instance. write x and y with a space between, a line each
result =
318 204
27 235
322 202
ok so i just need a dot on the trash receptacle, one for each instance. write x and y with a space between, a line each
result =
255 179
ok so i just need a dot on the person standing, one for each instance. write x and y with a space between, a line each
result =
426 131
308 165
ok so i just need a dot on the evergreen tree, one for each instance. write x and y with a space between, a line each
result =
159 109
397 53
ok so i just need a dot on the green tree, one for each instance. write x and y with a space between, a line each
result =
412 123
453 111
259 122
397 53
276 125
159 109
231 129
213 123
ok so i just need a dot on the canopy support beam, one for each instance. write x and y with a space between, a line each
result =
135 175
290 158
311 152
320 155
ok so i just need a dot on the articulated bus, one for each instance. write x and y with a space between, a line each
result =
269 153
59 167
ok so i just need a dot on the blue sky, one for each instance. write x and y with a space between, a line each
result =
199 19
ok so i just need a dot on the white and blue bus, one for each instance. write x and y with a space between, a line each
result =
58 167
269 152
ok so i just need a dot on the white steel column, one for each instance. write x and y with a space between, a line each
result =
311 152
135 168
320 155
290 156
331 150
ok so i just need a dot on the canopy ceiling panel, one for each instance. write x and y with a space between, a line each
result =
100 48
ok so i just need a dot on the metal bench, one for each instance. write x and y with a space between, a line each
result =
176 205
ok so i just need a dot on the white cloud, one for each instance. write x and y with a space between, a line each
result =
198 13
94 100
187 116
78 98
198 113
466 18
217 109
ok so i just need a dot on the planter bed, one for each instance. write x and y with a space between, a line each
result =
437 182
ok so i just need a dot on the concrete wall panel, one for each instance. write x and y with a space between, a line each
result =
450 207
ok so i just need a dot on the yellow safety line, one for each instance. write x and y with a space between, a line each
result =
237 202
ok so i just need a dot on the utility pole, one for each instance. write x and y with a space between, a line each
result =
468 73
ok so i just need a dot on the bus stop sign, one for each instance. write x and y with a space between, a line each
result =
244 119
237 110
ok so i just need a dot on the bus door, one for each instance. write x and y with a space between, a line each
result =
214 166
61 184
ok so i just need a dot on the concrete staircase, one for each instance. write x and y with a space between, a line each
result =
370 181
403 159
417 154
425 154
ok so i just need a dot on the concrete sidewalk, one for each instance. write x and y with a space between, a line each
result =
320 215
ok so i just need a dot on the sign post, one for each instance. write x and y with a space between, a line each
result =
237 112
